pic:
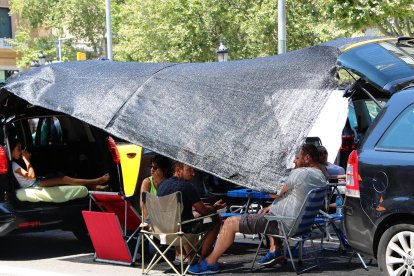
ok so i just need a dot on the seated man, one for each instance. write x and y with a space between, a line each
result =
305 177
180 181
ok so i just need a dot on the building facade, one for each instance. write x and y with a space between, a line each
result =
8 55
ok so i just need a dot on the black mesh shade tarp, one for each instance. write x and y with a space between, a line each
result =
240 120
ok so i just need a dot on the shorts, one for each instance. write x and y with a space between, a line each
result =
35 184
256 223
200 227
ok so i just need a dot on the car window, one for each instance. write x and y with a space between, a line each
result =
373 108
352 116
46 131
400 135
362 113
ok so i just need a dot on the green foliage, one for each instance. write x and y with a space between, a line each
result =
391 17
189 30
85 19
29 48
178 30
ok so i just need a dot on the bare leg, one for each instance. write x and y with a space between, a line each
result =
211 237
272 244
225 239
66 180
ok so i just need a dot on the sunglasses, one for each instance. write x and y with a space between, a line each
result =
154 167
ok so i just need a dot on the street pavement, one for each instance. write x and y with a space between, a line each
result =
58 253
239 258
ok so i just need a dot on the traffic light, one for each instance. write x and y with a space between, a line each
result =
80 56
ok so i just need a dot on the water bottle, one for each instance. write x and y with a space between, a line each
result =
339 205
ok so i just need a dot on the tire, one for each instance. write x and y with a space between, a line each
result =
396 250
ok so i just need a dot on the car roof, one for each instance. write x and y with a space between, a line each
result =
387 63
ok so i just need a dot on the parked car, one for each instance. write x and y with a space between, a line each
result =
58 143
379 210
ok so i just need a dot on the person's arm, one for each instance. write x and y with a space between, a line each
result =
205 210
282 192
145 187
30 173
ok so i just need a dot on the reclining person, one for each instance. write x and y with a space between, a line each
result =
305 177
26 177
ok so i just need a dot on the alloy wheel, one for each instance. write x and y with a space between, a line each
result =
399 255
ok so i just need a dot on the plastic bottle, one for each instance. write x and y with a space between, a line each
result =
339 205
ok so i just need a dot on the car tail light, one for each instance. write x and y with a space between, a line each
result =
348 143
4 164
352 176
113 149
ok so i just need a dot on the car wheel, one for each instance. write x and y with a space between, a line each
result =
396 250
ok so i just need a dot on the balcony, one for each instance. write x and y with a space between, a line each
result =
5 42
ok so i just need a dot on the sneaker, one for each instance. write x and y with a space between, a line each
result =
203 268
270 257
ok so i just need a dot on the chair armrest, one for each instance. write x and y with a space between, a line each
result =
278 218
198 219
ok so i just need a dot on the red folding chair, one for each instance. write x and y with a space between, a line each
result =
113 230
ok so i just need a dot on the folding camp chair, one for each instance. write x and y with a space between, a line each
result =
330 219
164 219
114 230
301 229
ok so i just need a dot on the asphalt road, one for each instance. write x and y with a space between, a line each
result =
59 253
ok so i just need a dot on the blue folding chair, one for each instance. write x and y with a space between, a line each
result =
323 220
301 229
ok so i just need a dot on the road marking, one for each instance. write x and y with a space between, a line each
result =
15 271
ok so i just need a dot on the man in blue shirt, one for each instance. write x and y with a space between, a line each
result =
180 181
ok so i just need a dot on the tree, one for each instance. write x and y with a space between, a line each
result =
189 30
83 18
174 30
394 18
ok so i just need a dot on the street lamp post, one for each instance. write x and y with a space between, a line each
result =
281 26
222 52
108 29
